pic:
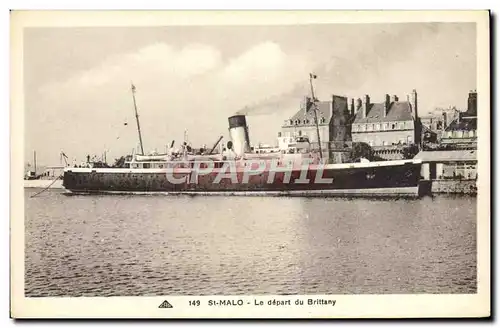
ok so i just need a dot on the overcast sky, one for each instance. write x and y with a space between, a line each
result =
77 80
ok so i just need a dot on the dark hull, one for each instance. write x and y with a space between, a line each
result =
348 180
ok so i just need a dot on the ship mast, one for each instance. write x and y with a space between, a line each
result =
137 119
311 77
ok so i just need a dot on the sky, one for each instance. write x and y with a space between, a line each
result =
77 80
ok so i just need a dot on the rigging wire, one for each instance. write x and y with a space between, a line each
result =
38 193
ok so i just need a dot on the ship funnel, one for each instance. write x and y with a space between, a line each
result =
238 130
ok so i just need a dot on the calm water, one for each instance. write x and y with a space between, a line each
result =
159 245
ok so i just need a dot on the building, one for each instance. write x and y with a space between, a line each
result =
462 131
449 171
428 136
432 123
333 125
387 126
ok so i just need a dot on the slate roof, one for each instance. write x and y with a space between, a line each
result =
323 111
398 111
463 125
447 155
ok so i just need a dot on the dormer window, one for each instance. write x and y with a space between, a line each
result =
323 120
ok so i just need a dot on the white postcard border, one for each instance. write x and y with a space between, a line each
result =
346 306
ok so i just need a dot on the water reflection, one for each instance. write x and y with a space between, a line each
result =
157 245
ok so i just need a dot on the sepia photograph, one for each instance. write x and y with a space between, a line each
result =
250 164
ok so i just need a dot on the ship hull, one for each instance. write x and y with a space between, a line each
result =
397 178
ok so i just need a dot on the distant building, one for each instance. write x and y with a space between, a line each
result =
433 123
387 126
333 125
432 128
462 131
428 135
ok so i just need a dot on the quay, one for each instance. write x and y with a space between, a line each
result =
448 172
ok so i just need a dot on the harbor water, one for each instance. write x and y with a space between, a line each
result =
181 245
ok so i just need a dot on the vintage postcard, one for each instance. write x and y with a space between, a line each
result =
294 164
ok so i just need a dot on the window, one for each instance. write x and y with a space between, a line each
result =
354 127
459 170
146 165
377 127
401 125
369 127
279 134
362 127
393 126
323 120
300 133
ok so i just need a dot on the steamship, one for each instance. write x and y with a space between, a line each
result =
238 170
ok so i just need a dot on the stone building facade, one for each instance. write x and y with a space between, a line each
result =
387 126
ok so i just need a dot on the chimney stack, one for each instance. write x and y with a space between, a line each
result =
358 105
352 109
414 103
366 106
472 103
387 104
414 109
